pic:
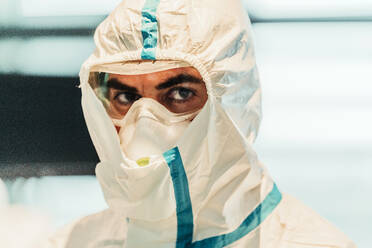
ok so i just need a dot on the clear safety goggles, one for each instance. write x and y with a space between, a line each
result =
180 94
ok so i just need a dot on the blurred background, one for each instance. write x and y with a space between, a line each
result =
315 64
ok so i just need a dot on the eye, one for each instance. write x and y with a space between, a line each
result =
126 98
180 94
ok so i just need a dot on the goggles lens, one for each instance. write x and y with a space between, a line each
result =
178 90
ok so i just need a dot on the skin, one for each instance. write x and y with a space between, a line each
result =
180 90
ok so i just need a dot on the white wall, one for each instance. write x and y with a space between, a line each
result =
316 136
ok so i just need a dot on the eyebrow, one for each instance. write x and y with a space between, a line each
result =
115 84
181 78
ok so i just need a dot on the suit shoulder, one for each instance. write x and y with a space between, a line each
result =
102 228
302 225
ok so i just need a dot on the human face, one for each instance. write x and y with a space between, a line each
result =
180 90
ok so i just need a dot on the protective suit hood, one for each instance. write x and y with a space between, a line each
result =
199 33
209 190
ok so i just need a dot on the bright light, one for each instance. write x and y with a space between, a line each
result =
38 8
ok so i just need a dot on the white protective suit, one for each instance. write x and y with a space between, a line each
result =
210 190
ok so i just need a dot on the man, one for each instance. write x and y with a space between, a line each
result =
171 99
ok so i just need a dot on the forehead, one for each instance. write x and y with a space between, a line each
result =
155 78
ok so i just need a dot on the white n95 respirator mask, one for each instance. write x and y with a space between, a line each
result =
149 129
